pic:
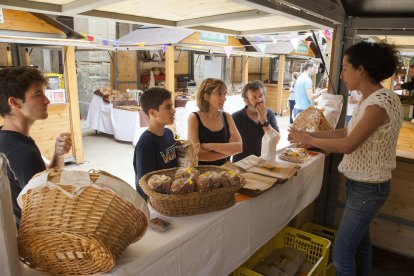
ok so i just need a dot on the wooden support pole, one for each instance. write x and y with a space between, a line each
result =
72 92
112 72
245 69
169 70
280 80
169 74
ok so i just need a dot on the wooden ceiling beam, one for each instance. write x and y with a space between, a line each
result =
80 6
126 18
216 30
279 30
30 6
285 11
222 18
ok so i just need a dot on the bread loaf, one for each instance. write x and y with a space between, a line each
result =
160 183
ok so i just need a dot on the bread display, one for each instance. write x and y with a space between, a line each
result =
182 186
187 173
160 183
188 180
194 190
208 181
229 178
295 155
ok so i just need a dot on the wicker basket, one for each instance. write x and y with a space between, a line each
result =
192 203
311 119
76 235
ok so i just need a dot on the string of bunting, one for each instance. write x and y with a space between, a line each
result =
110 42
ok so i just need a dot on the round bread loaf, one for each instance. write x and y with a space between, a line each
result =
160 183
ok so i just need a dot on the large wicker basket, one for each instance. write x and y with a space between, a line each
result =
311 119
82 234
191 203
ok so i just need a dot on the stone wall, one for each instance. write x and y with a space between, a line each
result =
92 66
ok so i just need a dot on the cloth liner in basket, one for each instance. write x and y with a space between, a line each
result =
77 222
191 203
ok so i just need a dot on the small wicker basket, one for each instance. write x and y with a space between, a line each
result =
76 235
191 203
311 119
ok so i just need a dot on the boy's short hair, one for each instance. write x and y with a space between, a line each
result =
153 97
14 82
253 86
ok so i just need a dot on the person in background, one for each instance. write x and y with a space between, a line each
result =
369 147
213 128
253 120
304 92
353 99
22 103
295 76
408 85
155 149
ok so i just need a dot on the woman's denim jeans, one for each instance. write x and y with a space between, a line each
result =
352 253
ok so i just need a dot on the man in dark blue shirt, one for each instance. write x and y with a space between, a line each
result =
22 102
155 149
253 120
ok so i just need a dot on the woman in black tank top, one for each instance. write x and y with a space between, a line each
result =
212 128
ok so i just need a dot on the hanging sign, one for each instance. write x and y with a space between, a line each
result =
213 37
1 16
303 48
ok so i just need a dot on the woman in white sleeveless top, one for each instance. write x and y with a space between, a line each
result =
369 147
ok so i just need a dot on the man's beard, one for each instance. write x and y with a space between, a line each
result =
252 108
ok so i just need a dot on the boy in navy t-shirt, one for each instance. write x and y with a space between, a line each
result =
155 149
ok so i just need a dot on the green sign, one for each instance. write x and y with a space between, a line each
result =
302 48
213 37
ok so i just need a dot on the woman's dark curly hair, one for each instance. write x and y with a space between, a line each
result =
380 60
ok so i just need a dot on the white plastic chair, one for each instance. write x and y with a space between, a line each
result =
136 94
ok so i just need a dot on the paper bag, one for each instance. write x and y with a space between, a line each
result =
269 143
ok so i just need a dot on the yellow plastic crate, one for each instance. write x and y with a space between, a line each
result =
316 248
323 232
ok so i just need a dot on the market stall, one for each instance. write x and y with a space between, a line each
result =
208 244
28 31
125 125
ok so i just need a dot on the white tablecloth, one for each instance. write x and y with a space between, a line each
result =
99 115
123 124
219 242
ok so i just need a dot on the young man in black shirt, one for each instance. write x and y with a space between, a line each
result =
253 120
155 149
22 102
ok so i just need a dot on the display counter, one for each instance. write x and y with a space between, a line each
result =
125 125
405 144
217 243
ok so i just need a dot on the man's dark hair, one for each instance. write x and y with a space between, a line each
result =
152 98
308 64
380 60
14 82
253 86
